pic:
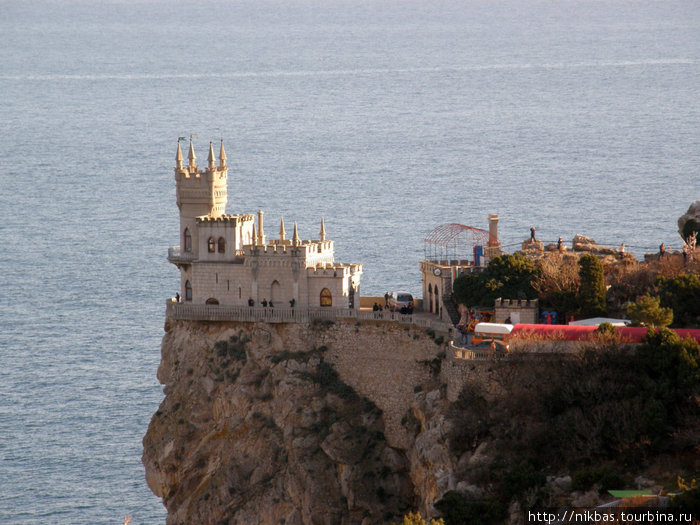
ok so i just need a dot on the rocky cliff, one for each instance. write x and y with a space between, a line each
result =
297 423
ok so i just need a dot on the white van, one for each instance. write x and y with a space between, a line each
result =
398 300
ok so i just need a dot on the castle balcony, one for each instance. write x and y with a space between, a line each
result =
177 255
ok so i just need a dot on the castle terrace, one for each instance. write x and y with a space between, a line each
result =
204 312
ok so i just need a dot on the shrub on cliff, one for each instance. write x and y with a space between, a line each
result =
603 478
457 509
234 347
417 519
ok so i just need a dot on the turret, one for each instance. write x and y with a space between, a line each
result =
322 236
222 156
282 232
191 157
178 157
210 158
295 238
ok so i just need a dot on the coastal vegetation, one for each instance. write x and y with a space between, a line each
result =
591 286
599 418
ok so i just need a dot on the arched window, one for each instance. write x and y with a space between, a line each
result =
212 300
275 293
211 245
326 297
188 291
188 240
222 245
430 297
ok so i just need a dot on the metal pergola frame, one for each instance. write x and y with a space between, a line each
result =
453 241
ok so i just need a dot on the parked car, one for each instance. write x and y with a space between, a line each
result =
399 300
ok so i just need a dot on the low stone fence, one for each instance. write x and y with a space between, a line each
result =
458 352
207 312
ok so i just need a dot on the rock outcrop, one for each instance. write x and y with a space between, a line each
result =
689 221
257 425
581 243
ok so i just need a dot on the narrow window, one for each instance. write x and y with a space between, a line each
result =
188 291
211 245
326 297
188 240
222 245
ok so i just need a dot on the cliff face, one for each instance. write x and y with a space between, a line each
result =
295 423
362 422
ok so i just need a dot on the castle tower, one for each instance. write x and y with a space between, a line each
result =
199 193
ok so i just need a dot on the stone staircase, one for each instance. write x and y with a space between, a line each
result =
451 308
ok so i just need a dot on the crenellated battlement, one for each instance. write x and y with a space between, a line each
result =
226 218
276 248
334 270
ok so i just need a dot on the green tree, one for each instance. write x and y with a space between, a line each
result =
682 294
507 276
591 293
648 311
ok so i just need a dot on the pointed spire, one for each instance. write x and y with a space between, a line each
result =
261 229
282 232
210 158
178 157
323 230
222 155
191 156
295 239
254 241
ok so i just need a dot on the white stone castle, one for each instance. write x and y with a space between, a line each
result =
225 259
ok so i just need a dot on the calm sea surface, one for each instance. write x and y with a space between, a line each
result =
388 118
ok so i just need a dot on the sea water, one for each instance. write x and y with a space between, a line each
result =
388 118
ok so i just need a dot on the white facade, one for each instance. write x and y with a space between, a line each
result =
225 259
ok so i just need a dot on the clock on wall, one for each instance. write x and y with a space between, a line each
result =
437 271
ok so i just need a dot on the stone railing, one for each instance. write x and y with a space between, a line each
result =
457 352
207 312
